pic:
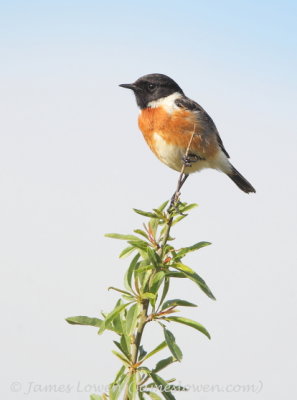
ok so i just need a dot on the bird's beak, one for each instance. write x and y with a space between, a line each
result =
131 86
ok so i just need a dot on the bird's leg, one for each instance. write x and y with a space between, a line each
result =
182 179
189 159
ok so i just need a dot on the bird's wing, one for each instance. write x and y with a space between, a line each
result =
203 118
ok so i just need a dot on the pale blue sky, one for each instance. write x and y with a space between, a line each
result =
73 164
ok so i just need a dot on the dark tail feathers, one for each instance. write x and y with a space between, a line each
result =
240 181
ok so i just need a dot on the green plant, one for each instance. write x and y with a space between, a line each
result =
144 301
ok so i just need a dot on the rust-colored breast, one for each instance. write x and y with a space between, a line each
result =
176 129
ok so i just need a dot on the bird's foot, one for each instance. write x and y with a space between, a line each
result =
190 159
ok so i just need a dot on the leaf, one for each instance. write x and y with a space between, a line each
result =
120 236
156 281
165 289
191 323
112 315
173 347
182 252
145 213
163 206
121 357
153 256
160 347
95 397
139 244
128 250
142 352
131 319
120 347
141 233
120 290
162 386
126 345
154 396
173 274
116 390
191 274
132 387
163 364
129 273
177 302
82 320
119 374
147 295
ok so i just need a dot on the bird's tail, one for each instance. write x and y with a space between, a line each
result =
240 181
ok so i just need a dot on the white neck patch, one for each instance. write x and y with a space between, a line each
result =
168 103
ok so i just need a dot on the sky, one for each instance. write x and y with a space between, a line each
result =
73 164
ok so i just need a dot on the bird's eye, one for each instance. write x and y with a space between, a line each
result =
151 86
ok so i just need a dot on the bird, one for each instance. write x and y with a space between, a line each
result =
170 121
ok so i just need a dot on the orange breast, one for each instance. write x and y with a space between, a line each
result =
176 129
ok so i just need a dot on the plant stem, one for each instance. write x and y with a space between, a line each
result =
145 305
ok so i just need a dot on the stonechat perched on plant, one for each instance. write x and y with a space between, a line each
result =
169 120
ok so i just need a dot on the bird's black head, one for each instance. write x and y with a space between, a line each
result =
152 87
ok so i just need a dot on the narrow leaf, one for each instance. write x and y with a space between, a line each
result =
121 357
129 273
181 253
160 347
128 250
132 387
177 302
145 213
121 237
162 386
154 396
165 289
191 323
82 320
173 347
163 364
95 397
116 390
191 274
131 319
120 291
156 281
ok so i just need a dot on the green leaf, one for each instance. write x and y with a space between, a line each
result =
163 206
112 315
95 397
191 323
182 252
141 233
129 273
128 250
126 345
153 256
173 347
142 352
121 357
82 320
160 347
163 363
147 295
177 302
131 319
121 237
173 274
119 374
156 281
132 387
154 396
145 213
119 346
139 244
191 274
116 390
162 386
165 289
120 291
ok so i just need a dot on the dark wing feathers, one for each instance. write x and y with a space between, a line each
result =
202 116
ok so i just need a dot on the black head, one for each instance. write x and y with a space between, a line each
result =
152 87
